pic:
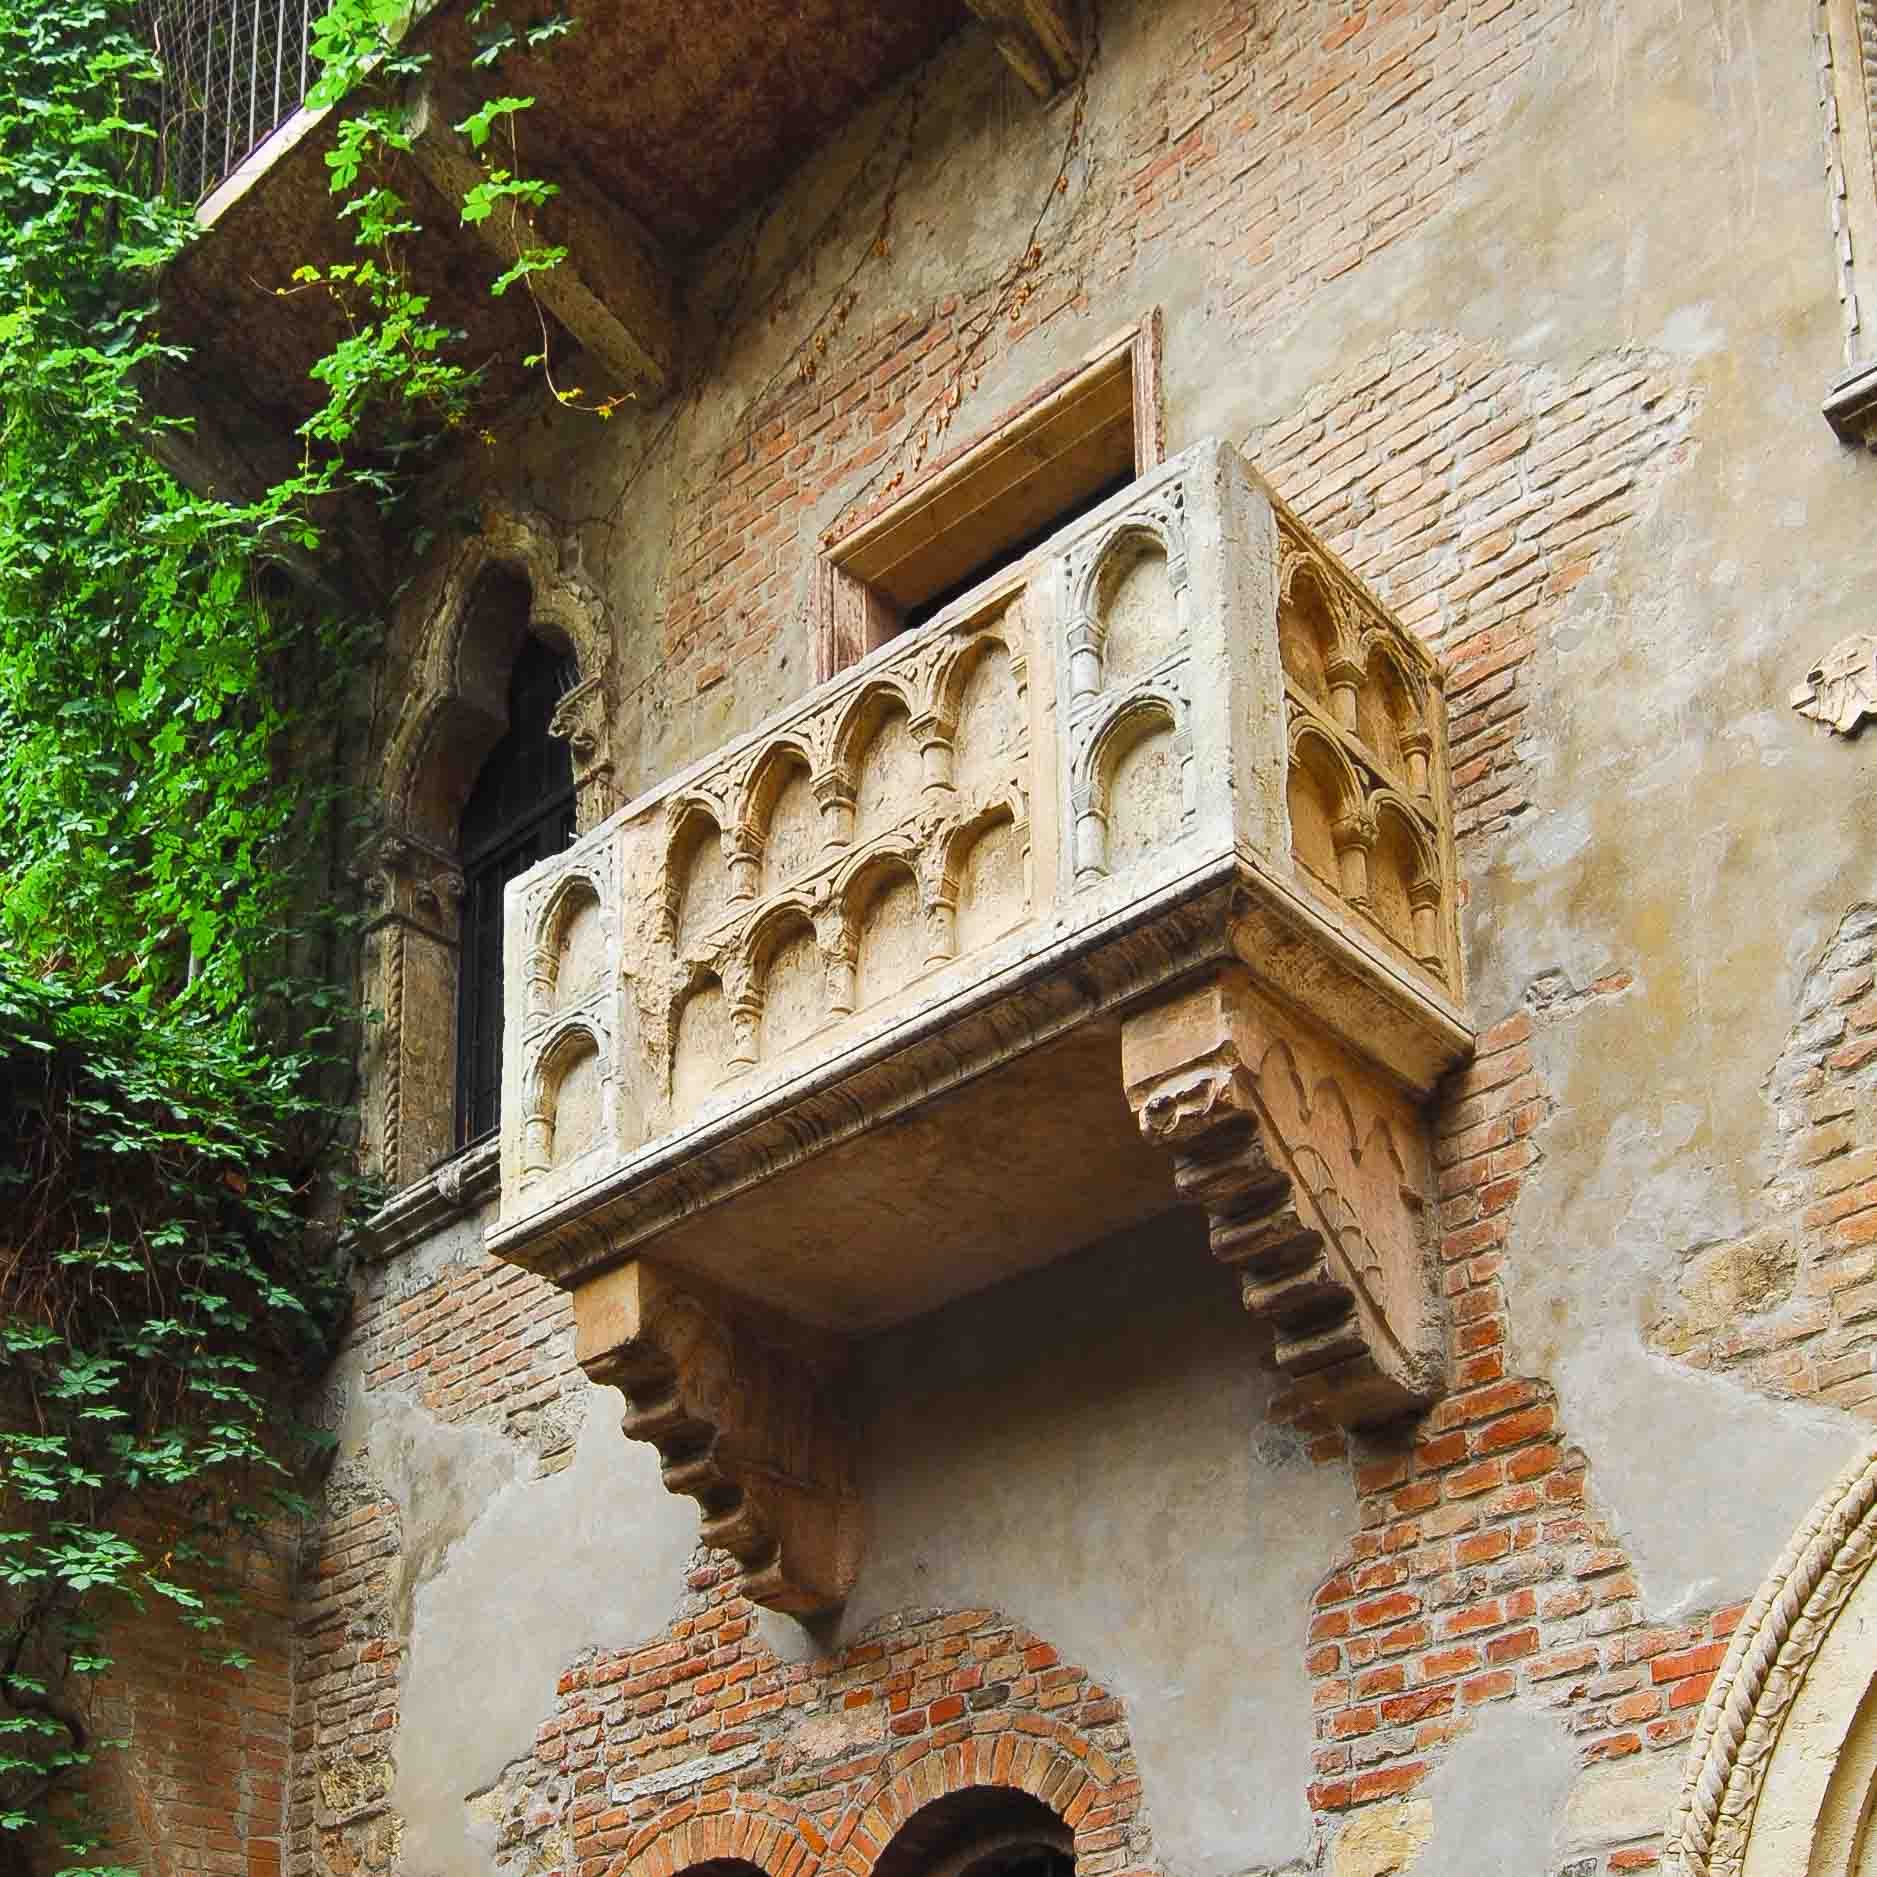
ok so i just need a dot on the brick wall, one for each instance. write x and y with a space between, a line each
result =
201 1790
1482 1573
479 1343
1791 1307
813 1765
1275 150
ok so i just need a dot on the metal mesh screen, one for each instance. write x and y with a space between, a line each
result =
233 70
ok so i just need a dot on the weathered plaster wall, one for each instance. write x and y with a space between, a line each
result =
1528 307
1071 1438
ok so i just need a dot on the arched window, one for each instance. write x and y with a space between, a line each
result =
520 810
983 1831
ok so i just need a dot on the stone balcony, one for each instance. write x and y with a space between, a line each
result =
1127 881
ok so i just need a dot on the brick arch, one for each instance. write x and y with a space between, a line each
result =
1042 1757
751 1828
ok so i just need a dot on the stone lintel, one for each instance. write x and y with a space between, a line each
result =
1315 1173
613 292
744 1409
1041 40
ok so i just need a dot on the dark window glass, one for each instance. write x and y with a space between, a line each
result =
520 811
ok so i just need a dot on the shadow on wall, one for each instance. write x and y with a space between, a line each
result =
1088 1449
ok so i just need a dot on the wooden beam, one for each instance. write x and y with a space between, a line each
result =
613 292
1041 40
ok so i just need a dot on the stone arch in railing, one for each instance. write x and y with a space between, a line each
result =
1133 784
1313 638
882 917
1391 710
564 1097
977 691
878 755
567 952
1323 795
982 885
695 885
702 1041
1404 877
783 993
776 834
1157 535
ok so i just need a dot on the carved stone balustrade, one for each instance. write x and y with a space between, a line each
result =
1127 881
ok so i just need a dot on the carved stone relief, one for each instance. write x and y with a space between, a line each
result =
1783 1763
506 579
1840 691
836 926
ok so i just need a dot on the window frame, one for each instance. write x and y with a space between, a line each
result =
1014 464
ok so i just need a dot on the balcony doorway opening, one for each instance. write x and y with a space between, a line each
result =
1066 449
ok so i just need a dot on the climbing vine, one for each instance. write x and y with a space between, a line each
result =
178 711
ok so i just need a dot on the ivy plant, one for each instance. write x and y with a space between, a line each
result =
177 723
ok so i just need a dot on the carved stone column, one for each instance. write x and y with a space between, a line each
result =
1316 1176
745 1415
411 943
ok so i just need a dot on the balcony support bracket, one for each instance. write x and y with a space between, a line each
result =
1041 40
1315 1176
612 292
745 1412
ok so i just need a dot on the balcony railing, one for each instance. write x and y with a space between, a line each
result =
1142 849
233 72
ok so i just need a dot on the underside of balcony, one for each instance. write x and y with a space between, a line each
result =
658 122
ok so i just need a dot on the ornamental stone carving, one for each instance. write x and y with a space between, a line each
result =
1315 1181
1840 691
746 1417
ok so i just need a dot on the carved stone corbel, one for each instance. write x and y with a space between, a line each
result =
746 1418
1315 1175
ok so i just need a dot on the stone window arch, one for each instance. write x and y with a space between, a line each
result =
498 607
1782 1771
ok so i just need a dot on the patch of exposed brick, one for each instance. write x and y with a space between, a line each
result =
1482 1573
1279 148
1791 1308
705 1721
1473 495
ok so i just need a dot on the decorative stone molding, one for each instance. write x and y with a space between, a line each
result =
1840 691
1314 1176
455 704
746 1419
1774 1648
1845 38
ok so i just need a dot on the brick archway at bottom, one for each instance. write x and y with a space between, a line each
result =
1047 1760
